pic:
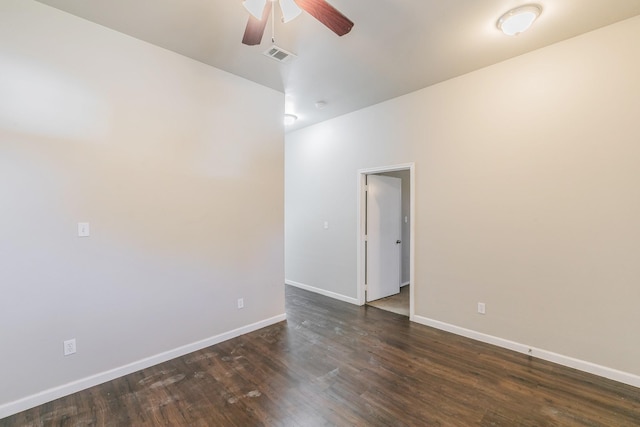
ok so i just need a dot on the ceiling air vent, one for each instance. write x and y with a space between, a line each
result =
279 54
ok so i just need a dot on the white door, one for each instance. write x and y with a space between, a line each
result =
384 231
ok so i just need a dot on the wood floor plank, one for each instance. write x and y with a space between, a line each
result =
336 364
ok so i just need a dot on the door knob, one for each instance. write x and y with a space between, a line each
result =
398 242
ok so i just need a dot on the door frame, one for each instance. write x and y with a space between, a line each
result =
362 217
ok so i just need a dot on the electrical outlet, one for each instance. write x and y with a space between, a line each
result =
481 308
69 347
240 302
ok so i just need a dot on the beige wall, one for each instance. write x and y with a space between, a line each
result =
185 200
526 197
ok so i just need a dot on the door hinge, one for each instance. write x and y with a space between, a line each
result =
366 287
366 238
366 187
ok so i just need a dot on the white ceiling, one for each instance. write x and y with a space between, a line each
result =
395 47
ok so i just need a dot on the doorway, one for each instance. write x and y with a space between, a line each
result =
402 299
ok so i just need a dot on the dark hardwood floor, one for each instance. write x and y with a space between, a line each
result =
332 363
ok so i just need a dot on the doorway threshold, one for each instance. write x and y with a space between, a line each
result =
398 303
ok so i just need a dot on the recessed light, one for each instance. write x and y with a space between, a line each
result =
321 104
519 19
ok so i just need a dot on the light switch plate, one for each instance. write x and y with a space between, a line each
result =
482 309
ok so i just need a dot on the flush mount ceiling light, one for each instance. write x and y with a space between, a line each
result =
519 19
290 119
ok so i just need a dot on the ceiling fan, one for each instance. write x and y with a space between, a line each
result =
321 10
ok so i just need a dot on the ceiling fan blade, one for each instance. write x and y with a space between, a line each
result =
327 14
255 27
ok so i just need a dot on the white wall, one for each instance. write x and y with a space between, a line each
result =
526 197
185 201
405 264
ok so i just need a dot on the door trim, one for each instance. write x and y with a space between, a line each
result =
361 218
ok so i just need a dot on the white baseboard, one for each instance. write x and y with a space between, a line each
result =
45 396
323 292
581 365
